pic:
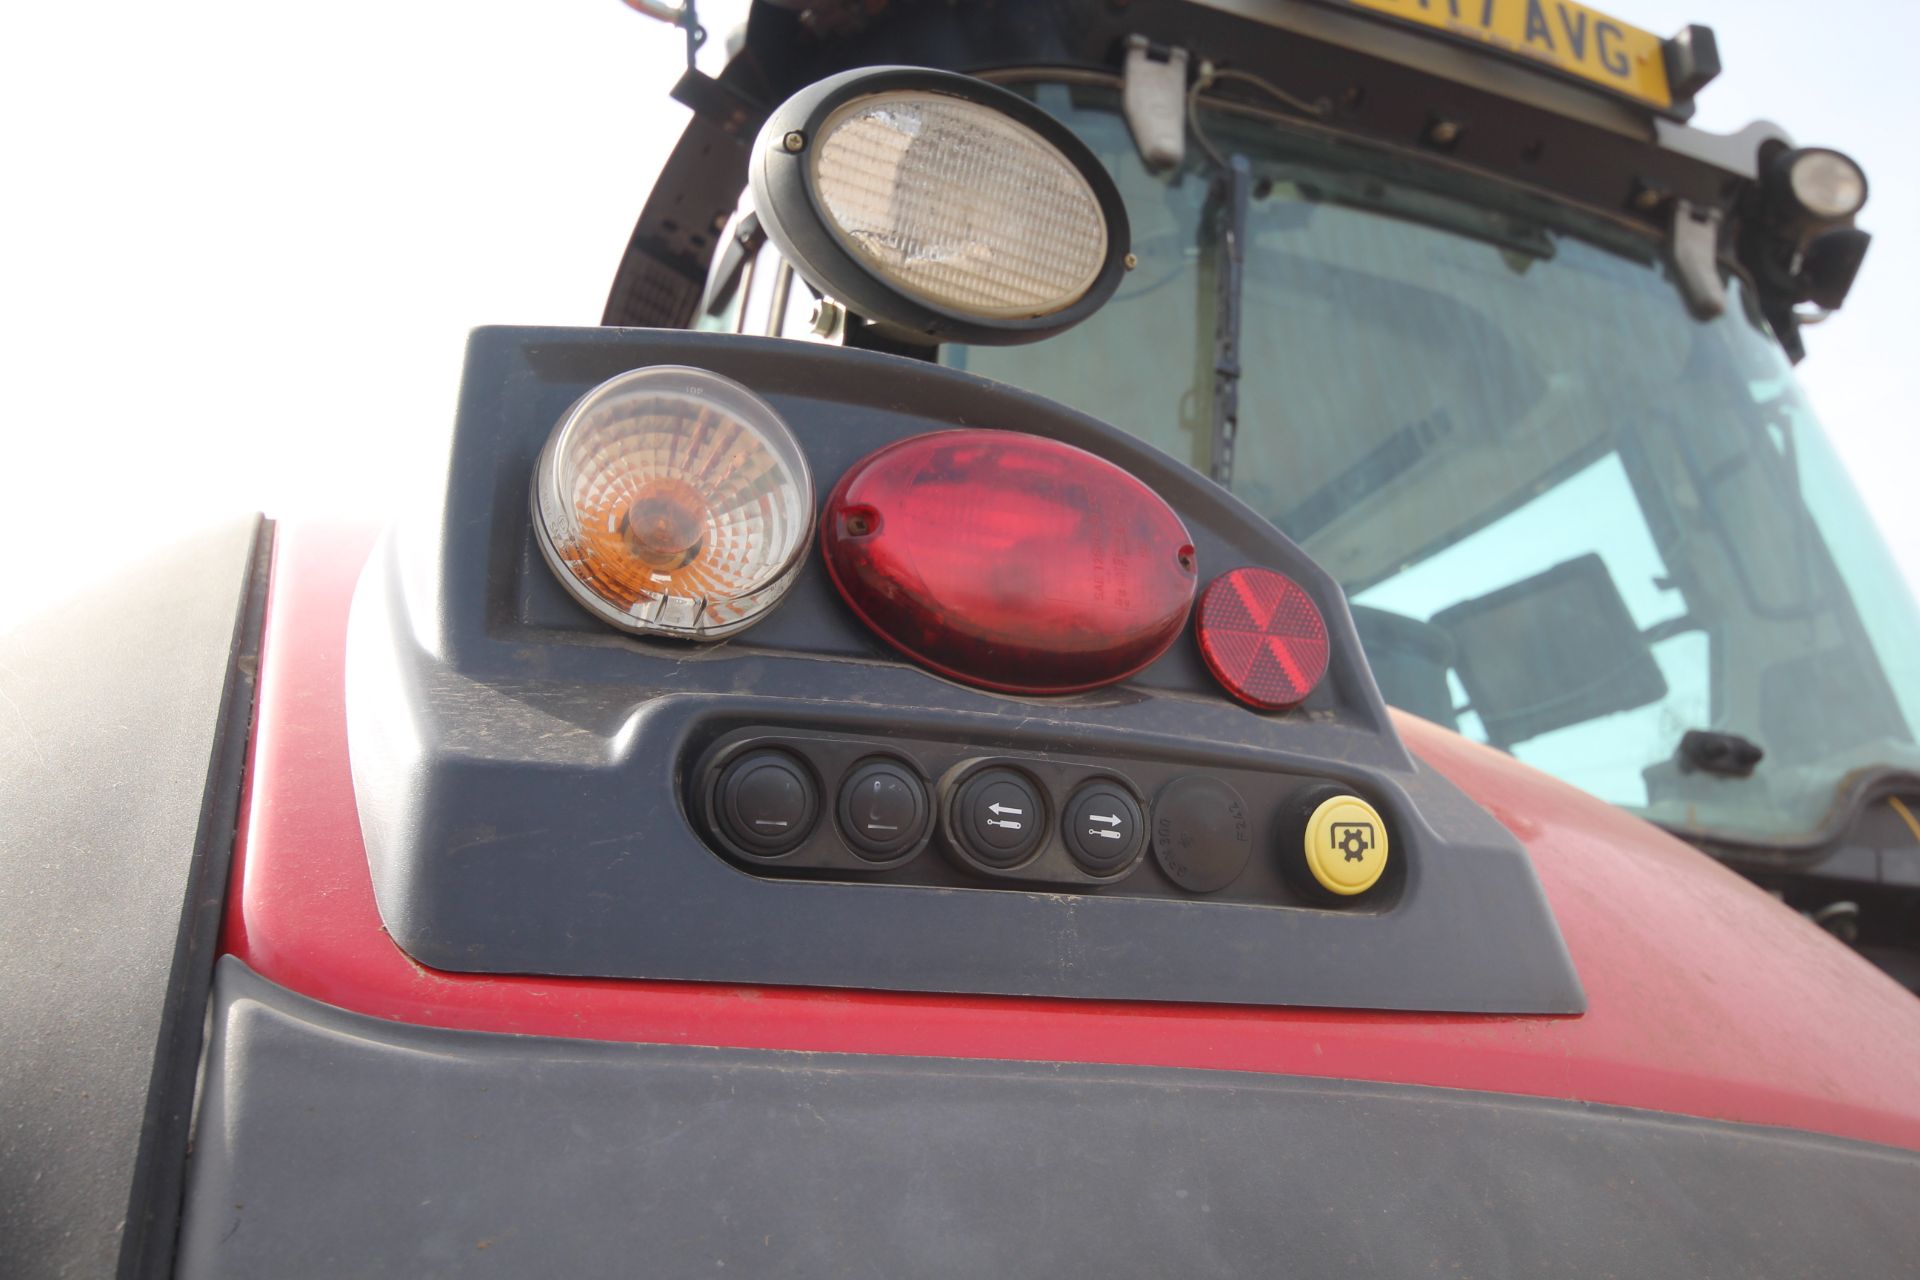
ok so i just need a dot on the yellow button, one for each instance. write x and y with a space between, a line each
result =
1346 845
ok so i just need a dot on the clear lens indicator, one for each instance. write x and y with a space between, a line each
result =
673 501
959 205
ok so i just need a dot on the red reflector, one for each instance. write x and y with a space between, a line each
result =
1009 561
1262 637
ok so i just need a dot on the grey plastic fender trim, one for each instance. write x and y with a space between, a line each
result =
334 1144
125 714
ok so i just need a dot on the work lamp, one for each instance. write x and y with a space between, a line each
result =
1821 183
943 207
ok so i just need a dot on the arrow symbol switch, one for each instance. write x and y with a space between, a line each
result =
1104 828
999 817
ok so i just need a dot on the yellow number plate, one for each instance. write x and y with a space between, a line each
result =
1559 33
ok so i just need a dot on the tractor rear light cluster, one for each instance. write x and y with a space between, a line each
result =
671 501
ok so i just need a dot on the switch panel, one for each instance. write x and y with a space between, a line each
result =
917 812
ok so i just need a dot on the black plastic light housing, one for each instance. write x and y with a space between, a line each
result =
912 117
1831 262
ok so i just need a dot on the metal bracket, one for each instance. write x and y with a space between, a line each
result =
736 253
1696 258
1155 100
720 104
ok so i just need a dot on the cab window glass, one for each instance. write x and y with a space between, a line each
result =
1462 399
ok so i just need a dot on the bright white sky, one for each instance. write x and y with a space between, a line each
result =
244 241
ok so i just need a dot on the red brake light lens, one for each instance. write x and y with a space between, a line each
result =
1009 561
1262 637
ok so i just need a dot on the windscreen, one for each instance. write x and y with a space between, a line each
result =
1573 521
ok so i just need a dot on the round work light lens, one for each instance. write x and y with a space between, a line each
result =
958 205
672 501
1827 184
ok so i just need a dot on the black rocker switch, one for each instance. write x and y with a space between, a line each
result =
1103 827
997 817
766 803
884 810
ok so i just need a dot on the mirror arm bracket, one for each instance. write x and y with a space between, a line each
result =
1154 98
1696 258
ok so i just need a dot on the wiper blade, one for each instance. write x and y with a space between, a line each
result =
1233 194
